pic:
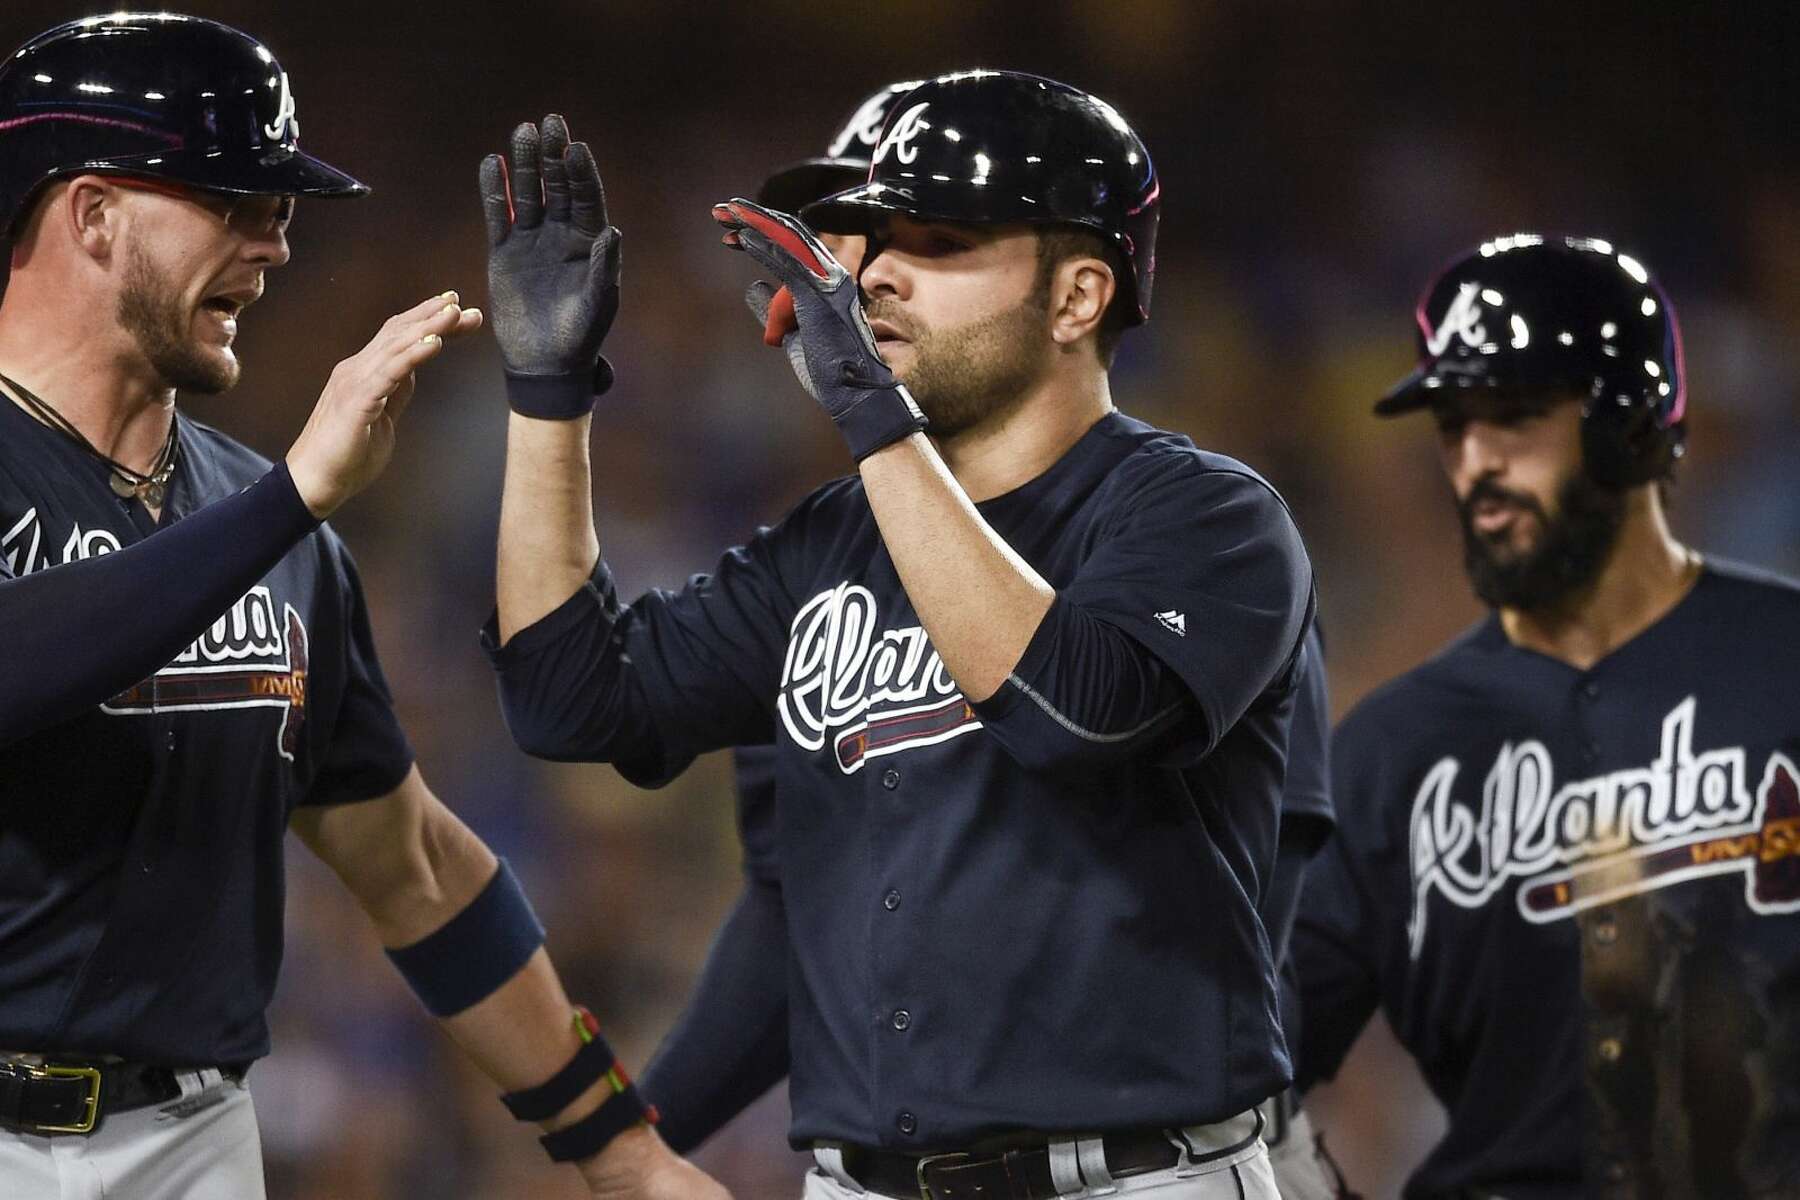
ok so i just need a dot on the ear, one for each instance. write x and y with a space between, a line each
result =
1080 292
90 210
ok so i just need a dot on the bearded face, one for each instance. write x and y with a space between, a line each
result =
1574 540
969 374
153 309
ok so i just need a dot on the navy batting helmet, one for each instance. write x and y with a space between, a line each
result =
1529 312
1000 146
846 161
157 95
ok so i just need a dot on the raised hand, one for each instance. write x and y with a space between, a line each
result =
553 267
831 348
349 437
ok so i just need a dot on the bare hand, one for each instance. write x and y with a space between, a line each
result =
637 1165
349 437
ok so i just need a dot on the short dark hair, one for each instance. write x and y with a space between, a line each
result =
1059 243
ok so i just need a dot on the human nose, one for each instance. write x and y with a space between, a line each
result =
882 273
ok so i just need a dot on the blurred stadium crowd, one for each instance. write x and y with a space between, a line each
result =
1319 161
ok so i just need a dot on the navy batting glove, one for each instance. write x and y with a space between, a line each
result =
553 270
832 350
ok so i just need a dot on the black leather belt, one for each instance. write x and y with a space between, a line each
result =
71 1097
997 1175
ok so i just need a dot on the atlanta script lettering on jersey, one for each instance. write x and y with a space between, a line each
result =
868 693
1593 841
253 656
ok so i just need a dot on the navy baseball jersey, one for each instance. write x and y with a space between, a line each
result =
1576 896
141 841
730 1043
1037 911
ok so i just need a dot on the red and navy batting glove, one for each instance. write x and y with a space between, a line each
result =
553 270
827 339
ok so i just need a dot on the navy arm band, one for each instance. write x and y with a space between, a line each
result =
476 951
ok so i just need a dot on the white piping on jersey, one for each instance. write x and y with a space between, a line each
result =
1087 734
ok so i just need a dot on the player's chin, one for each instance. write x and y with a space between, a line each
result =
202 369
897 354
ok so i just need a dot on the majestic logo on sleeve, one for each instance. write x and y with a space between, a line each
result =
868 693
1593 841
249 658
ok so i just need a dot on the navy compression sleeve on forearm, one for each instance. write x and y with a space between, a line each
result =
1084 690
78 634
730 1045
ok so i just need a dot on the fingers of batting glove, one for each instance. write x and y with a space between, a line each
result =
774 308
527 183
496 205
587 198
781 243
553 144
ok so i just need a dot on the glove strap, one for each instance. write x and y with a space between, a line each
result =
558 397
879 418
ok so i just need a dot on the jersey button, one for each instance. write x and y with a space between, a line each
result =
1606 929
1615 1172
890 779
1610 1049
902 1020
891 901
1591 689
907 1123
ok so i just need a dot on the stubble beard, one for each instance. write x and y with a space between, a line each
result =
151 310
974 374
1573 548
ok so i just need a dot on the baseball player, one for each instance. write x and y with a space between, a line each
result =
1029 679
730 1043
148 169
1567 869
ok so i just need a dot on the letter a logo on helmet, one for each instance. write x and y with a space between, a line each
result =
284 114
907 126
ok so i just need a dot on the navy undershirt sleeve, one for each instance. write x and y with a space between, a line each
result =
1335 962
650 686
730 1044
78 634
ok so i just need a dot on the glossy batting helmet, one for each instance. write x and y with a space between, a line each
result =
1536 313
156 95
1000 146
846 161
